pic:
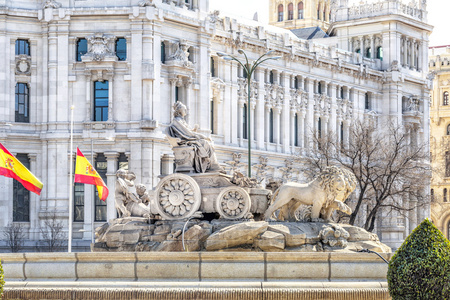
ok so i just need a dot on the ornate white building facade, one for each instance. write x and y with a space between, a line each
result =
123 64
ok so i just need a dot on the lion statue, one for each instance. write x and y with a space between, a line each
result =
324 194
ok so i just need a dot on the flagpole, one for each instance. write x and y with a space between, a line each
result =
69 243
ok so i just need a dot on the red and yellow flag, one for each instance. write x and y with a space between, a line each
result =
85 173
10 166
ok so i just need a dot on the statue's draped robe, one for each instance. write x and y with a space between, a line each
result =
204 152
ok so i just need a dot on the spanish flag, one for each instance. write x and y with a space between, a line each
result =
85 173
12 167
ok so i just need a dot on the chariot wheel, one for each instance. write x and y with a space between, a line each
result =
177 197
233 203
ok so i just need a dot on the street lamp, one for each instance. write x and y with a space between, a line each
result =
249 67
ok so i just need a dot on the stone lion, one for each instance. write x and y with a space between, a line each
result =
325 194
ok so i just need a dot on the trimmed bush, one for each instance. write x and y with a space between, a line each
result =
420 268
2 282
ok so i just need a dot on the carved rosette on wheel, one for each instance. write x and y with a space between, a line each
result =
177 197
233 203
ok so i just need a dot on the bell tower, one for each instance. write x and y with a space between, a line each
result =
296 14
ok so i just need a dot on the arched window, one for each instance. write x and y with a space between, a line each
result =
369 52
445 102
432 195
358 50
380 53
300 10
325 12
448 129
318 12
445 195
271 126
280 13
244 122
291 11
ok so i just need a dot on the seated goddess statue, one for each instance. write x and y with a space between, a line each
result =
205 158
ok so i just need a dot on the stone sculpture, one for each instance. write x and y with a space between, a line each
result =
179 134
129 201
325 193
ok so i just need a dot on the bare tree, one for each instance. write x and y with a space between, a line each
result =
53 233
15 236
389 168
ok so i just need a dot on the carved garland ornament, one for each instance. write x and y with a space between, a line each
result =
233 203
178 196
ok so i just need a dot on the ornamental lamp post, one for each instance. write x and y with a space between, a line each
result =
249 67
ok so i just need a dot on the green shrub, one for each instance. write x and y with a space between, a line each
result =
420 268
2 282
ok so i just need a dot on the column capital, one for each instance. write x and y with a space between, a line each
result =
111 155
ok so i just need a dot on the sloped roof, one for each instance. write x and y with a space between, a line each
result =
310 33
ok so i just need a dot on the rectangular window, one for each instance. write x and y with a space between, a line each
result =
122 162
271 140
22 47
81 48
121 49
367 101
296 130
177 94
213 67
213 129
21 196
101 96
163 53
22 103
78 197
100 206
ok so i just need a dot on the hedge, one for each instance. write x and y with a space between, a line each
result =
420 268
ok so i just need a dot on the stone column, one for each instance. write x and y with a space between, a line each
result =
253 122
333 97
136 70
372 47
284 122
292 128
267 125
260 112
276 125
34 203
187 88
52 76
240 121
167 161
89 105
111 98
111 158
301 129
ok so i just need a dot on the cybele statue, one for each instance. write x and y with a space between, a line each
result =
200 208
